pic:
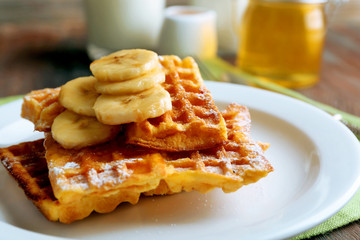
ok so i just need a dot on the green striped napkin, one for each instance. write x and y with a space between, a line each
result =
348 214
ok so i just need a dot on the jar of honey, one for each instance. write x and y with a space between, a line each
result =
282 41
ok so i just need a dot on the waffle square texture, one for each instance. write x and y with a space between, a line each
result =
26 163
194 122
240 161
99 178
98 170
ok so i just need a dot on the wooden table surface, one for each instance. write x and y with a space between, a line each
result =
42 44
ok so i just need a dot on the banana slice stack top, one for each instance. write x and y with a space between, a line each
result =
126 87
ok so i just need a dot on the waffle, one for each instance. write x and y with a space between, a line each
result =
194 122
27 165
41 107
239 162
97 170
99 178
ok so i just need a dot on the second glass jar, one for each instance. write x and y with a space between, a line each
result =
282 41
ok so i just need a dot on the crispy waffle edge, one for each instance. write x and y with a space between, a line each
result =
25 162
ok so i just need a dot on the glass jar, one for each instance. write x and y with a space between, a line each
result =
282 41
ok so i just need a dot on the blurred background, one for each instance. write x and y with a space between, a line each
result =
43 44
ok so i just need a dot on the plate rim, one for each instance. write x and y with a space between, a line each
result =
216 87
351 191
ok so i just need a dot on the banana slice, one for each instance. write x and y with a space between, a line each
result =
79 95
112 110
124 65
135 85
74 131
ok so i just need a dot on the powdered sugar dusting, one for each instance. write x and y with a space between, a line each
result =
71 165
78 181
56 171
109 174
75 176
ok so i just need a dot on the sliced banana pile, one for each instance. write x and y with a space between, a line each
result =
129 84
77 126
126 87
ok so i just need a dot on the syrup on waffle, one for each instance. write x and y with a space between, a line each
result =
194 122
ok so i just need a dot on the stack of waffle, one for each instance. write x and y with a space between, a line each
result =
191 147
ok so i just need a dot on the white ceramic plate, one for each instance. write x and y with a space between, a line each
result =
317 170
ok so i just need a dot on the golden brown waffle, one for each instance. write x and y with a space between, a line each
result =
41 107
99 178
239 162
97 170
27 165
194 122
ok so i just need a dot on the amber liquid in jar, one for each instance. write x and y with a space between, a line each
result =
282 41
